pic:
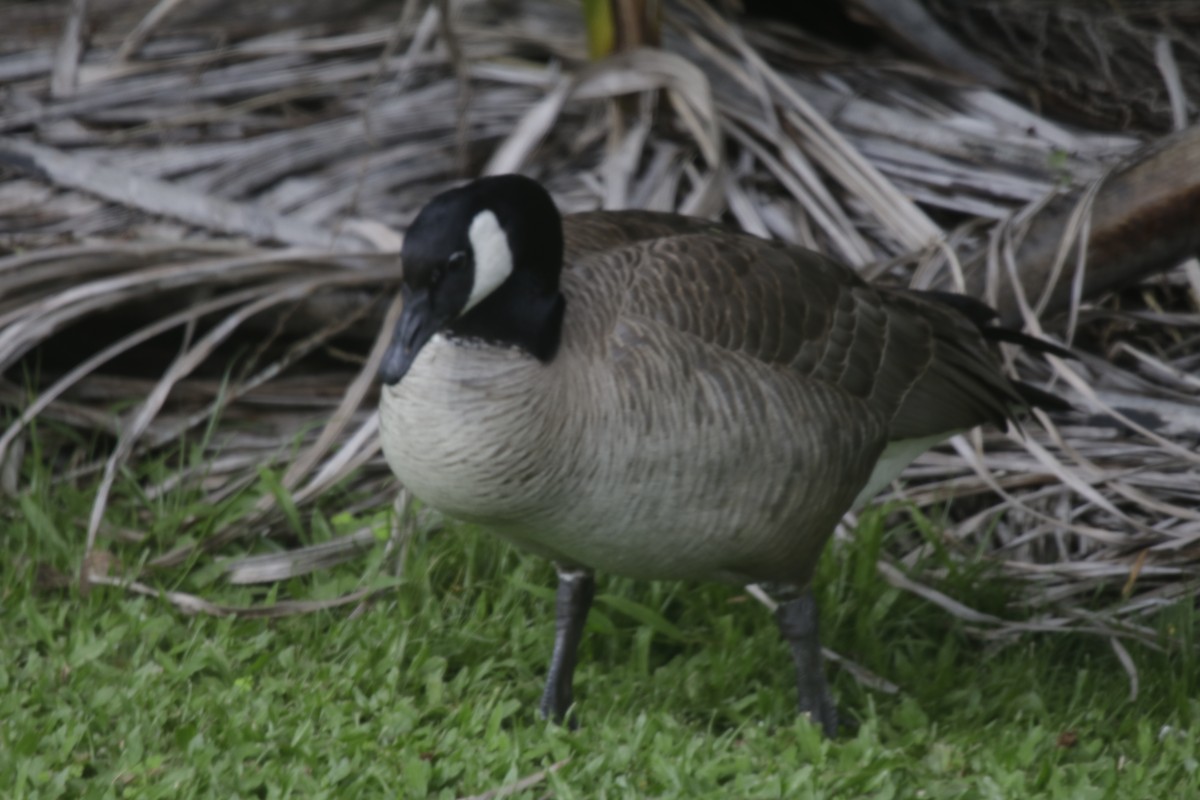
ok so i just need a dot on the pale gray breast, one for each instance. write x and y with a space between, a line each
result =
466 431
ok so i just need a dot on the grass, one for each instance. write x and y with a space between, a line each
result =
683 691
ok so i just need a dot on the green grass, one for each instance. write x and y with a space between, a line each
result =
683 691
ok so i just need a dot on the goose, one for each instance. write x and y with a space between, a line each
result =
661 397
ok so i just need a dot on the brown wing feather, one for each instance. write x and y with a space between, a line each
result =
914 362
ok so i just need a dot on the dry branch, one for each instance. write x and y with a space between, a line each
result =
1144 219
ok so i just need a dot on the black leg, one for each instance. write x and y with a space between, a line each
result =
798 623
576 588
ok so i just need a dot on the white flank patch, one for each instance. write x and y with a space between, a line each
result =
493 258
896 456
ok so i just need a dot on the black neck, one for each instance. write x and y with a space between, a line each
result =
518 314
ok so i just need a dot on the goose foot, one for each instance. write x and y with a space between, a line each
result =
576 588
798 622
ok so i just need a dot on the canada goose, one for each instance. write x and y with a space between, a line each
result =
660 397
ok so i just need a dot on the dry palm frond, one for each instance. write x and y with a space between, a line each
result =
1134 64
200 214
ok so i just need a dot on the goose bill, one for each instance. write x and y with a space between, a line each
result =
419 321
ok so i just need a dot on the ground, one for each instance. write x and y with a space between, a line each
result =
683 690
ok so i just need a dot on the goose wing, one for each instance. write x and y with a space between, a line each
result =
916 363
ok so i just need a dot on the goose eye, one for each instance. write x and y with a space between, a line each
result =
455 261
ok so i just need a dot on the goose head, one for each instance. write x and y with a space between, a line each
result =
481 262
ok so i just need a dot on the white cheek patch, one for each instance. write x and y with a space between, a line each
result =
493 259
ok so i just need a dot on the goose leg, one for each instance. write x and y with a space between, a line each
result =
798 623
576 588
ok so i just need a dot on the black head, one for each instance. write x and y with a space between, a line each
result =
482 262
